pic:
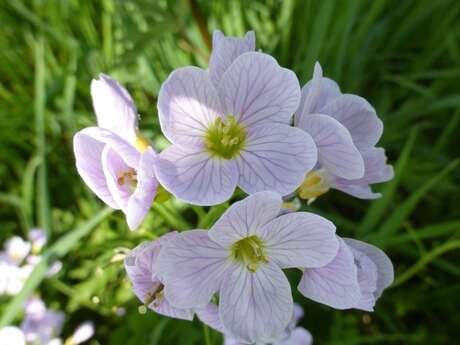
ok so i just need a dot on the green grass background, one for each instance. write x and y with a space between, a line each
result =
403 56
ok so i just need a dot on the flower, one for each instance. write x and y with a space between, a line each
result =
83 333
17 249
355 278
345 129
114 160
230 126
11 335
292 335
147 285
242 258
41 325
38 238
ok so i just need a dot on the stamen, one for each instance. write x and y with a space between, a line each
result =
225 138
316 183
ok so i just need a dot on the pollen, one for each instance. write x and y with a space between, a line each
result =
128 178
315 184
225 138
249 251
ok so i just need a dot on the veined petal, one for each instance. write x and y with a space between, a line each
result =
192 267
141 200
358 116
188 104
316 94
376 170
192 175
246 217
257 90
276 158
335 284
127 152
299 336
255 306
380 259
114 107
336 151
139 265
114 167
88 157
225 50
209 315
300 239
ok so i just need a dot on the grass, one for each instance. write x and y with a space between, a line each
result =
404 57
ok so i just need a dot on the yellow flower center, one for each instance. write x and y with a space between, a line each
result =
250 251
225 137
316 183
141 142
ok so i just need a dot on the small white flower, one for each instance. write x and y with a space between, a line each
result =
17 249
11 335
83 333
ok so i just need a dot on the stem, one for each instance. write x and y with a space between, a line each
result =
408 274
207 337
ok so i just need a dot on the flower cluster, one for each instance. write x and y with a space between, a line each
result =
244 122
43 326
18 260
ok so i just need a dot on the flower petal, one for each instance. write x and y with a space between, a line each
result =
225 50
336 151
88 157
114 167
300 239
192 175
139 267
380 259
257 90
358 116
114 107
316 94
246 217
126 151
335 284
188 104
209 315
275 158
255 306
141 200
192 267
299 336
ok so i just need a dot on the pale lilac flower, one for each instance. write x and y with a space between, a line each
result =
242 258
230 126
11 335
17 249
147 284
355 278
41 326
12 278
83 333
345 128
114 160
291 336
38 238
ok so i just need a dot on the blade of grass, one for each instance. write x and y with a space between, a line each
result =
60 248
379 207
396 220
44 217
425 260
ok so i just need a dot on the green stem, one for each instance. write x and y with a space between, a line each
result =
207 336
425 260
